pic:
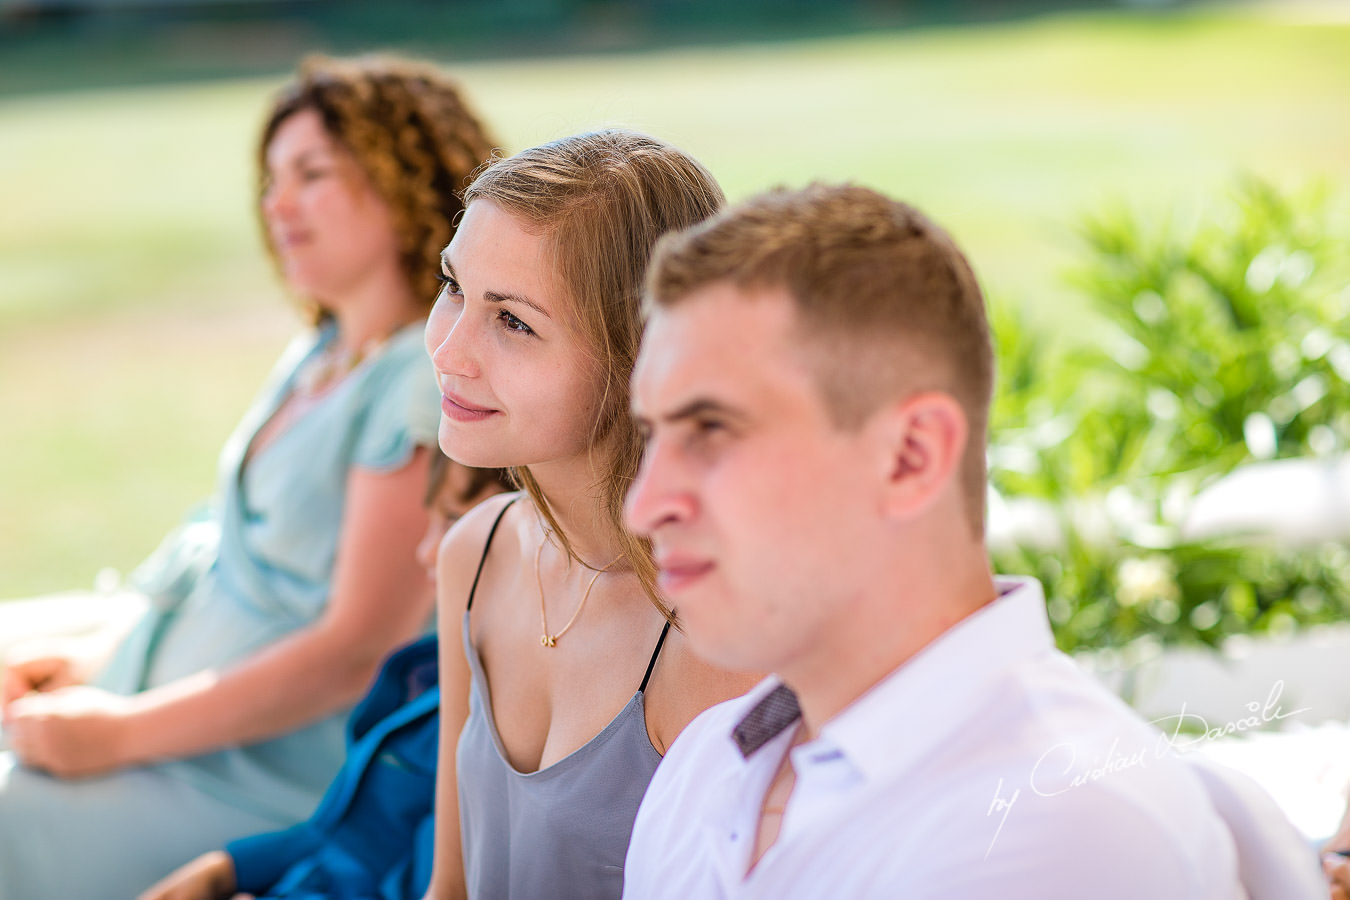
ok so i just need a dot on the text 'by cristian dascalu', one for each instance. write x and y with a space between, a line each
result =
1066 766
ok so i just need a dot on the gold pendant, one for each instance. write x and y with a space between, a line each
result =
548 640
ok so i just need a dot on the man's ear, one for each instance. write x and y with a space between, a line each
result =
923 438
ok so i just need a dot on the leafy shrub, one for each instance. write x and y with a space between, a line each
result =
1220 344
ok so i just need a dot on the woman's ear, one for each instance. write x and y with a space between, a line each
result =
923 438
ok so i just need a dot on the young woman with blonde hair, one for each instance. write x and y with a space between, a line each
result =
563 681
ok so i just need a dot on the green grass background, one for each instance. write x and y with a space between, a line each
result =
137 314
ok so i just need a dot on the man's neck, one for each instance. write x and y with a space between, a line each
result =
882 633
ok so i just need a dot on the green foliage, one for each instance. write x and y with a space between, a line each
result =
1221 344
138 315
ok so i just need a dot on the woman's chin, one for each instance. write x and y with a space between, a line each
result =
466 452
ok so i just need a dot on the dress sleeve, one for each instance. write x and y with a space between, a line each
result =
402 409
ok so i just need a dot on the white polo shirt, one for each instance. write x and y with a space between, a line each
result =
988 765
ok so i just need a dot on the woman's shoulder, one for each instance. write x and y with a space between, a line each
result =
465 546
476 525
684 685
401 356
394 403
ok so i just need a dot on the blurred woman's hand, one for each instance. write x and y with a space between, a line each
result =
71 731
43 667
208 877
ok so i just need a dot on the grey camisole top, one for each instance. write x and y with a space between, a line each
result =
561 832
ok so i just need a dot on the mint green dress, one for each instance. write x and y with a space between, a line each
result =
252 569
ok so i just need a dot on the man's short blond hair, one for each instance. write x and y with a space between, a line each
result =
886 303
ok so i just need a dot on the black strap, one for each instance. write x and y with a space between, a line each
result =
655 653
479 574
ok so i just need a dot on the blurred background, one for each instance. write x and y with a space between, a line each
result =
1152 193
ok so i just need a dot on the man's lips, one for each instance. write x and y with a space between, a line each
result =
461 410
678 573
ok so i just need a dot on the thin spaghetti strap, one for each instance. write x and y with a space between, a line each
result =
655 653
479 574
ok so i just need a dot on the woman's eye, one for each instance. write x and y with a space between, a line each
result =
451 286
308 175
512 323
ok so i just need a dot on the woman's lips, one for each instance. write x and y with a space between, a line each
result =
461 410
289 239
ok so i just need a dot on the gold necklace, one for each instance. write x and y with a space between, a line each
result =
551 640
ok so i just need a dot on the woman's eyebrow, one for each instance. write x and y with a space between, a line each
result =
498 297
493 296
309 157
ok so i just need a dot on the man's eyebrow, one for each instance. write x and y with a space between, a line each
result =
700 406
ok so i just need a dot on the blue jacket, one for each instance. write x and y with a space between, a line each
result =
372 834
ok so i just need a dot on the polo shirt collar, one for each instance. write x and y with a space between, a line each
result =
916 706
767 719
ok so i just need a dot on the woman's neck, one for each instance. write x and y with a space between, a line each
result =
573 491
375 308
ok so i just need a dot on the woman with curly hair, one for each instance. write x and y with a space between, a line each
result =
221 713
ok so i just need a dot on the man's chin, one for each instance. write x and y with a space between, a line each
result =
735 653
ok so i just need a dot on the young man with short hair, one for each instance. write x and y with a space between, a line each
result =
814 388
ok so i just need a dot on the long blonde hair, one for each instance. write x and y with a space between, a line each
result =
601 200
